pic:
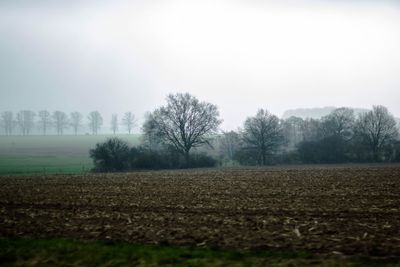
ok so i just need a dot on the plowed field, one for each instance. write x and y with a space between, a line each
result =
332 210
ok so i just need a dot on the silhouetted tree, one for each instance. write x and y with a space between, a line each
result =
129 121
263 134
114 123
184 123
95 121
60 120
25 120
44 120
376 128
7 118
76 121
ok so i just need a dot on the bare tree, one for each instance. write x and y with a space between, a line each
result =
377 128
152 138
95 121
76 121
229 143
263 133
25 120
44 120
340 122
60 120
114 123
129 121
292 131
398 123
310 129
184 123
7 118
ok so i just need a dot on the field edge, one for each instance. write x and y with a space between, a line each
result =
68 252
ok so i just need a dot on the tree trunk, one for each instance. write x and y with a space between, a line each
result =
263 157
375 154
187 158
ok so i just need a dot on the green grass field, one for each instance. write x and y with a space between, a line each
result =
50 154
57 252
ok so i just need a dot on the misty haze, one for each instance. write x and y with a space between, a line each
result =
199 133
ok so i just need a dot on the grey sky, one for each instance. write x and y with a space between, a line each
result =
117 56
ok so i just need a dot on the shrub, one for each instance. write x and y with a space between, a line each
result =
202 161
142 158
112 155
115 155
332 149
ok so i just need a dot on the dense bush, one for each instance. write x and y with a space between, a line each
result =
143 158
202 161
288 157
246 157
115 155
112 155
397 152
332 149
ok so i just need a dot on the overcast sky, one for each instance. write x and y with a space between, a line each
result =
117 56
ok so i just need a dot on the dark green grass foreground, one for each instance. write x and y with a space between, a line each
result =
30 252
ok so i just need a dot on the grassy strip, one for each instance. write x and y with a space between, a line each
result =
51 154
31 252
43 165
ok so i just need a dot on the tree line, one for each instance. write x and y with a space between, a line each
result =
184 124
25 121
339 137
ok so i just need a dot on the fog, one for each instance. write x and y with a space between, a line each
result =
118 56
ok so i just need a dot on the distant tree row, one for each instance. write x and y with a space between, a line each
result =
335 138
128 120
26 121
185 124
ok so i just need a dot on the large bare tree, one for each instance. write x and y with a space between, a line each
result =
44 120
95 121
76 121
7 118
114 123
263 133
129 121
340 122
60 120
184 123
377 128
25 120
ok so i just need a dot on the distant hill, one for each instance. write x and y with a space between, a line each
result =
315 113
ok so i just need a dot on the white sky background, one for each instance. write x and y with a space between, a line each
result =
117 56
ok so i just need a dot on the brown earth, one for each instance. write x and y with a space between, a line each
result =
334 210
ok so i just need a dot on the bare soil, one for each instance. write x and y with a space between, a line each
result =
344 210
